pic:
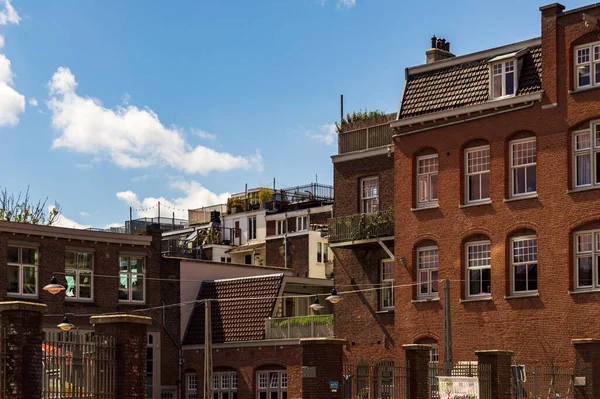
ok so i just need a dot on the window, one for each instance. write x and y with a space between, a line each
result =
191 386
427 272
587 65
280 227
248 259
587 259
152 365
131 287
434 355
369 195
427 180
478 268
503 79
79 274
22 271
523 166
302 223
272 384
225 385
586 157
524 265
387 285
325 252
252 228
319 252
477 174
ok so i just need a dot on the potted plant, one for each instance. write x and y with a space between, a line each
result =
234 205
265 195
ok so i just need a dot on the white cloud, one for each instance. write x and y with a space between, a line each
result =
8 15
327 134
84 214
64 221
204 135
195 196
345 3
138 179
129 136
33 102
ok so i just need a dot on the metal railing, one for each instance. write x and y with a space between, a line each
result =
203 215
545 382
138 226
365 138
383 380
307 192
319 326
462 369
362 226
191 245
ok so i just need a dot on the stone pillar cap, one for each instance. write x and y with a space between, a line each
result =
322 341
22 305
121 318
416 347
494 352
585 341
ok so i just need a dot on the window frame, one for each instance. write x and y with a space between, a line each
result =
302 223
503 74
593 151
280 227
77 273
594 254
513 168
130 280
513 264
21 267
430 201
480 174
268 389
430 294
219 388
591 63
373 199
387 285
252 233
191 386
468 268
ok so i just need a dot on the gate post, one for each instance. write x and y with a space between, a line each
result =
417 367
322 365
587 368
500 375
130 337
21 323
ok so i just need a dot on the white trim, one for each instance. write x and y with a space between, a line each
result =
381 281
362 199
20 265
594 254
492 104
76 298
503 79
430 201
129 282
511 168
512 265
429 295
291 214
467 175
246 344
591 63
514 54
592 151
354 155
467 269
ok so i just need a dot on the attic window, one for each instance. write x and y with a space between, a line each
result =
503 83
587 65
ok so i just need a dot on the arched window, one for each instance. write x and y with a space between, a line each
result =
434 352
478 268
523 162
587 65
427 272
586 156
427 179
586 251
271 383
191 386
523 263
225 383
477 173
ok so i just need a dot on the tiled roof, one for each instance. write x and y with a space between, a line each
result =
463 85
235 320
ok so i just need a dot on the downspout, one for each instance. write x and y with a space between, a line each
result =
285 241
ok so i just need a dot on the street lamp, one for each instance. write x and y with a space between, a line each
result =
65 325
316 305
54 288
334 297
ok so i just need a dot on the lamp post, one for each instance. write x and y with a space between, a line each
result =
54 288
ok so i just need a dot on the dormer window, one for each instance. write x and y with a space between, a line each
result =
587 65
503 79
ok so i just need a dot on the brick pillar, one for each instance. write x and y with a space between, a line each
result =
322 363
417 364
22 329
587 368
129 333
499 362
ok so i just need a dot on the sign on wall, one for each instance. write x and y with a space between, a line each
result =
459 387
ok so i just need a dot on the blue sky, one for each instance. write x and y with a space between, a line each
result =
107 104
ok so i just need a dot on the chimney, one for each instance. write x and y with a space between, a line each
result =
440 50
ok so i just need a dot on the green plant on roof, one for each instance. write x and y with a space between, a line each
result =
234 203
357 116
301 321
265 194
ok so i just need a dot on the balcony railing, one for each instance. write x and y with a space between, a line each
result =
319 326
362 226
191 245
139 226
365 138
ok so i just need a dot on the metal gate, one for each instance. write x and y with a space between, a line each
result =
545 383
483 372
383 380
78 365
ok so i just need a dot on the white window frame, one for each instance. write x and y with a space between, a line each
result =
430 270
225 382
280 227
480 174
153 342
302 223
593 62
503 73
191 386
130 280
429 201
593 135
513 264
594 253
434 354
21 266
513 168
387 284
468 268
369 203
252 228
268 388
77 273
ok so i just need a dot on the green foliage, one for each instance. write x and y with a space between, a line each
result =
20 209
301 321
234 203
265 194
357 116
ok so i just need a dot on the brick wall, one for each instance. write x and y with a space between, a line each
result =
297 254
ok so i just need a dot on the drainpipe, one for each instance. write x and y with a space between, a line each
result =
285 241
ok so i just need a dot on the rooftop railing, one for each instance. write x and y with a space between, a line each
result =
316 326
192 245
139 226
365 138
362 226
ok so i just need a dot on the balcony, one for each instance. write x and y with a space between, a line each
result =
366 135
361 227
192 244
317 326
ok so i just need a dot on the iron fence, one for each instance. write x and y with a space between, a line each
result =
483 372
544 383
383 380
78 365
361 226
139 226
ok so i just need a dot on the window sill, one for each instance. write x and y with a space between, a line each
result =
472 204
482 299
384 311
425 300
77 300
130 303
524 296
522 197
423 208
584 89
585 291
24 296
582 189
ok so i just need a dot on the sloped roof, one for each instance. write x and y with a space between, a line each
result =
235 320
462 85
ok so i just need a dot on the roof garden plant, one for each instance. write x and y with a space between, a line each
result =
357 116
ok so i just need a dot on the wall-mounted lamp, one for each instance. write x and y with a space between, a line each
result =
403 261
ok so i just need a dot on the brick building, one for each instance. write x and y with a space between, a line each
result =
495 175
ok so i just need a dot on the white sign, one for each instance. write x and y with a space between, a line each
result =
459 387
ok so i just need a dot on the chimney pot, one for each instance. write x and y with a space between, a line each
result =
440 50
433 41
448 46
